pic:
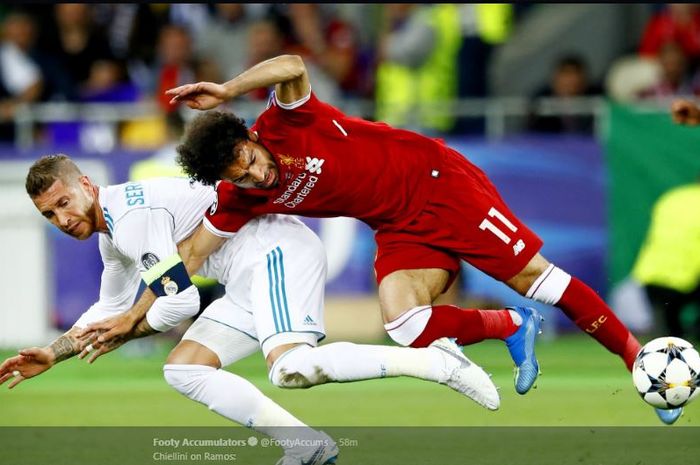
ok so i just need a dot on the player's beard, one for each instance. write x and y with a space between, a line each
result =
86 224
275 173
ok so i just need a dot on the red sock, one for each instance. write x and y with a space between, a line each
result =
467 325
583 306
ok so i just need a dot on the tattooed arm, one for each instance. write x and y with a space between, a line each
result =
142 329
66 346
34 361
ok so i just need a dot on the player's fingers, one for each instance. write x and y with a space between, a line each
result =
187 100
8 364
16 381
97 353
176 90
91 347
181 92
90 334
5 377
82 332
111 334
30 352
104 325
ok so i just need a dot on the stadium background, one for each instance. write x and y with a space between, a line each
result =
582 167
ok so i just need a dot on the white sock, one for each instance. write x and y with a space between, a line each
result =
409 325
515 316
341 362
237 399
549 286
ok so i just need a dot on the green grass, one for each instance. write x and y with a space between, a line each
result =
581 385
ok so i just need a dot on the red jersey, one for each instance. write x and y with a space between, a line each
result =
331 164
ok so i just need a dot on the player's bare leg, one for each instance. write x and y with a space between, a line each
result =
406 289
544 282
406 298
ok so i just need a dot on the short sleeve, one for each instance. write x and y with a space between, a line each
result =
222 218
303 112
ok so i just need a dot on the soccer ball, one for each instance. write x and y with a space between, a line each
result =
666 372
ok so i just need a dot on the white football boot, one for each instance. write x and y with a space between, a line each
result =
465 376
323 452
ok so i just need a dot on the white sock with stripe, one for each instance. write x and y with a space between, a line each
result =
237 399
305 366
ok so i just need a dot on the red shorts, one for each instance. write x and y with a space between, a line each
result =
464 218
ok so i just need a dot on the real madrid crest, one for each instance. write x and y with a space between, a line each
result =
169 286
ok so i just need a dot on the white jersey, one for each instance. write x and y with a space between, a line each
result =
274 267
146 220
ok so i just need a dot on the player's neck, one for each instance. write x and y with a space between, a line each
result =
100 222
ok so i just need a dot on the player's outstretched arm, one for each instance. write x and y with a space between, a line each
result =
194 250
685 112
286 72
34 361
97 348
120 325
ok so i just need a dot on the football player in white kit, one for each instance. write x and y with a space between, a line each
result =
274 271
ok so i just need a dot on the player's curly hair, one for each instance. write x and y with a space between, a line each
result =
207 147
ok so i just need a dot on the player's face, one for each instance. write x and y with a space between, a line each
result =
254 167
69 207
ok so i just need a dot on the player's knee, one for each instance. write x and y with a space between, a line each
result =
409 325
190 352
529 275
186 379
291 371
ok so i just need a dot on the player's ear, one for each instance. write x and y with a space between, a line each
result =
85 184
252 135
84 181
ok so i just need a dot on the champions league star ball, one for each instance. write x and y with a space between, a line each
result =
666 372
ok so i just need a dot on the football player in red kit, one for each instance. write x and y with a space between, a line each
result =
429 206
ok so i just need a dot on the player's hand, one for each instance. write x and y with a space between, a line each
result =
685 112
199 96
28 364
107 329
97 349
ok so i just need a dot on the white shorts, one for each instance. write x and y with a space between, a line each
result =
274 270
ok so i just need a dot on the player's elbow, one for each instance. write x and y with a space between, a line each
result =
294 64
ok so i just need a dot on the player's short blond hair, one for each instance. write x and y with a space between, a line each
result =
47 170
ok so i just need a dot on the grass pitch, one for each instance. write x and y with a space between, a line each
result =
581 385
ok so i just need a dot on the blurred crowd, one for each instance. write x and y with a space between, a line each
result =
399 56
